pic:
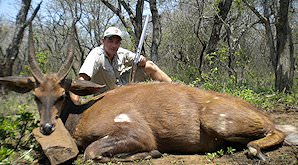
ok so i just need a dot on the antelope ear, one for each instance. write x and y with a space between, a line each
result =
18 84
83 88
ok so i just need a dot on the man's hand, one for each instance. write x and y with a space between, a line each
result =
142 61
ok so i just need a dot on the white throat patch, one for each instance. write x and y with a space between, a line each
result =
122 118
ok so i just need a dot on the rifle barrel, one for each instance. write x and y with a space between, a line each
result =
138 53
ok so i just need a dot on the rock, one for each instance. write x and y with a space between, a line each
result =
58 146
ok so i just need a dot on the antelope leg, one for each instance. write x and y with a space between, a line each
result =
120 148
271 139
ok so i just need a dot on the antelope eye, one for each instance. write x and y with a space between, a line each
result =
60 98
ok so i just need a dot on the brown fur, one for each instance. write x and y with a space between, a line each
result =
175 118
153 117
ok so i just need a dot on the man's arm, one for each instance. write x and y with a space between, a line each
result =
153 71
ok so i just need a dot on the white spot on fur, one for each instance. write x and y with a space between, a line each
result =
122 118
222 115
215 98
105 137
223 122
223 125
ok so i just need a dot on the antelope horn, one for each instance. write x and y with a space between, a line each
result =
36 72
65 68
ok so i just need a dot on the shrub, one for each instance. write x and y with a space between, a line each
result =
16 139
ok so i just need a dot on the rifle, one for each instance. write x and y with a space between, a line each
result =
138 53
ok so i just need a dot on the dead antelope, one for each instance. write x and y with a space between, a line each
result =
143 120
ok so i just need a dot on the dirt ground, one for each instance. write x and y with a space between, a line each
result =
281 155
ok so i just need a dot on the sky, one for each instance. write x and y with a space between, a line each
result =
8 8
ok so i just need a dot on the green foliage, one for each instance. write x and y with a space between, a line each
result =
187 73
221 152
246 94
230 150
4 153
25 71
15 135
212 156
265 99
80 161
216 77
42 58
239 5
215 5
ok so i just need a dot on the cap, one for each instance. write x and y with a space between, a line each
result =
112 31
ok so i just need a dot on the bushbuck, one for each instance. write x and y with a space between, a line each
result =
143 120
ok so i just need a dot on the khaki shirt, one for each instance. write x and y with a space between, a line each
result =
111 73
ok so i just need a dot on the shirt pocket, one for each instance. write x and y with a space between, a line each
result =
108 70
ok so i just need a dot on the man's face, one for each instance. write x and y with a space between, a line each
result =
111 45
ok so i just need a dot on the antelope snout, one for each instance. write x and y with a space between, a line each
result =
47 128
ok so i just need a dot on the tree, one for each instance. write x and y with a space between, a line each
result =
281 46
156 30
136 20
11 53
223 9
221 44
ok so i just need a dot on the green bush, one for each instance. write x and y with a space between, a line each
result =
16 140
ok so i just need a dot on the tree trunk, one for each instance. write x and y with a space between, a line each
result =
224 8
139 21
156 31
284 72
281 49
12 51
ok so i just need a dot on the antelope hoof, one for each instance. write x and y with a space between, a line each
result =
254 153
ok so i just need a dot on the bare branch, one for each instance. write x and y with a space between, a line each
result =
256 12
116 11
33 14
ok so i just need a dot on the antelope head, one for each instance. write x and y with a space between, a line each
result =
50 91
